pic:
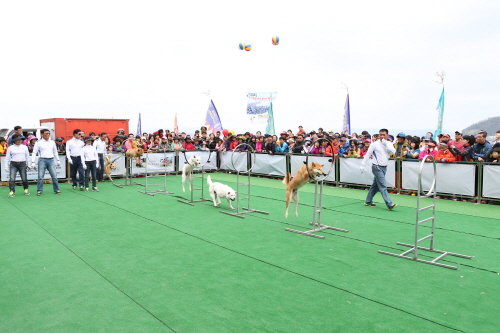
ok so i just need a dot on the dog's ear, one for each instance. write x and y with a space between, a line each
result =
322 165
228 193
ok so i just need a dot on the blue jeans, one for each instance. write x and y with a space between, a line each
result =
91 169
14 168
379 185
47 164
77 166
100 170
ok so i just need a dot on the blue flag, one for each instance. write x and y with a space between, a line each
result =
212 121
139 126
270 120
440 107
346 127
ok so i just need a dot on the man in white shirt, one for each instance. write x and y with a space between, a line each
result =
100 146
16 159
73 154
381 150
47 152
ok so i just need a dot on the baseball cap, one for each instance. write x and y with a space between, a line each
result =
401 135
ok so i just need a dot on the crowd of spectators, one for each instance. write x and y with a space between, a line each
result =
443 148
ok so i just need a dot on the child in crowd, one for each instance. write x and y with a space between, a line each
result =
220 146
353 149
90 163
3 145
444 154
176 146
495 156
118 147
233 143
413 150
315 150
430 149
31 143
366 146
188 144
260 144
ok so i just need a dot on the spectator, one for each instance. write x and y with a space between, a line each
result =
220 145
17 130
60 145
353 149
444 154
31 143
176 145
253 143
188 144
464 153
315 150
414 150
366 146
401 146
154 142
344 147
118 146
482 149
301 131
3 145
259 144
497 138
282 146
270 146
299 143
27 141
430 149
163 146
457 143
495 156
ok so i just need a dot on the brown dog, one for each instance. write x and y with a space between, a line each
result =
135 153
300 179
109 166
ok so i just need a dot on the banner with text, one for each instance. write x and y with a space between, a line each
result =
33 173
258 107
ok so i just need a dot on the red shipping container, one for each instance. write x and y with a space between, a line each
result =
64 126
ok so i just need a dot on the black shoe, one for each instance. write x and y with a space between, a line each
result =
392 207
57 192
370 204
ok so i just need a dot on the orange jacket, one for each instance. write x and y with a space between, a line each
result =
446 154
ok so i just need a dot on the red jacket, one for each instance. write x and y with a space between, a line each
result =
446 154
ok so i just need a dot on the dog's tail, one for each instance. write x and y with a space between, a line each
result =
286 180
209 181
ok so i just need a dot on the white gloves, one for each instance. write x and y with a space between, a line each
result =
97 166
84 166
70 160
58 163
7 169
33 165
362 168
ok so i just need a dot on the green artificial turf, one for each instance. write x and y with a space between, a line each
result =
122 261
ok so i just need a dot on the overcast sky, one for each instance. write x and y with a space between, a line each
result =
114 59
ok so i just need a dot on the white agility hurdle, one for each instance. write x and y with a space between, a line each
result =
318 199
191 201
415 247
238 212
163 163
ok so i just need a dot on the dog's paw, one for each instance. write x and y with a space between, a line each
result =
286 215
296 214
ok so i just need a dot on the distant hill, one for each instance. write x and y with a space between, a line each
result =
490 125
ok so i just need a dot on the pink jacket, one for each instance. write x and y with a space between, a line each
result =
427 152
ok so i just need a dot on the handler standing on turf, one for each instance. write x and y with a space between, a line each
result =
380 149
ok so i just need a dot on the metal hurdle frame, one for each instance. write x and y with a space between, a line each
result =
202 188
238 212
318 199
415 247
128 174
146 176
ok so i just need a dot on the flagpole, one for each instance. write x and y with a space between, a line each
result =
439 129
346 124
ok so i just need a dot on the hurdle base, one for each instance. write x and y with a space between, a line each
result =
152 193
319 227
239 214
191 202
431 262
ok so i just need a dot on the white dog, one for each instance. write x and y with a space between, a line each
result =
218 190
187 170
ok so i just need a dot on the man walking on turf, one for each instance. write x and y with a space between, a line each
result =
380 149
47 153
